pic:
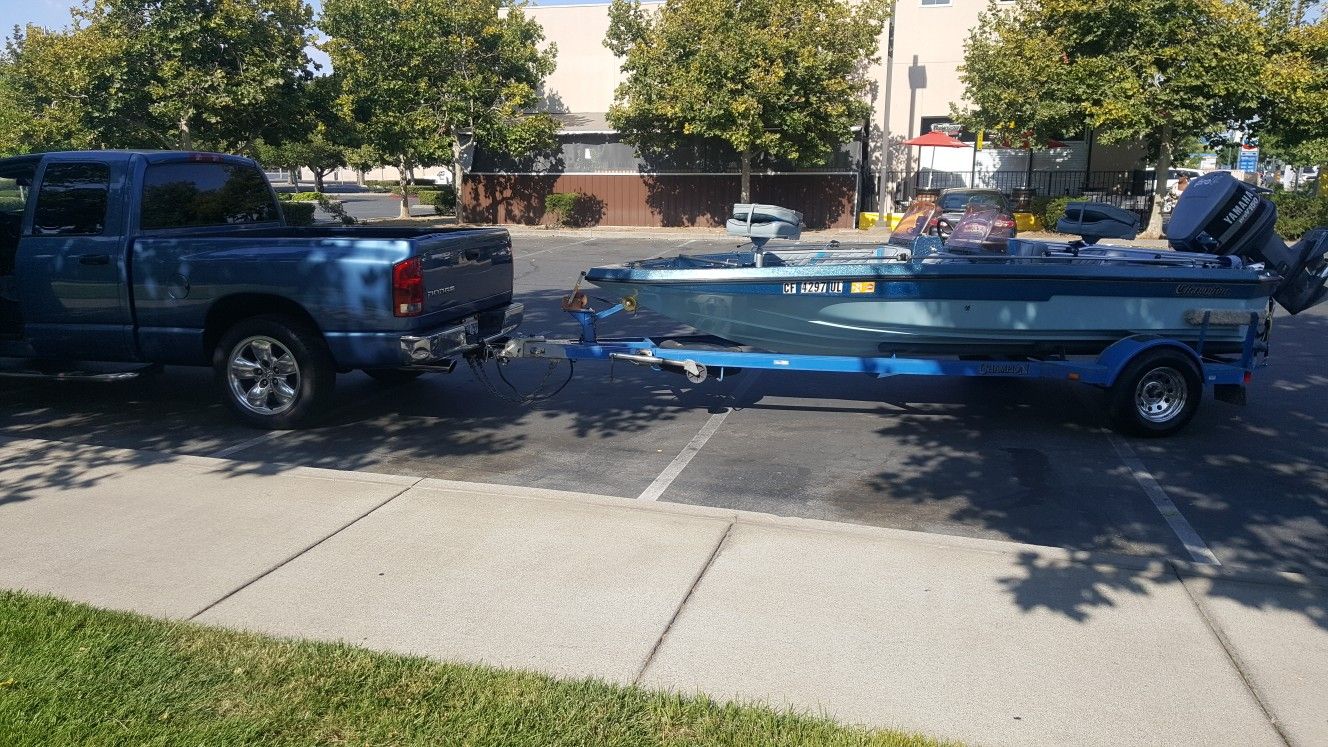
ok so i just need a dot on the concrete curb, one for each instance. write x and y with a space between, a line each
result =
1152 567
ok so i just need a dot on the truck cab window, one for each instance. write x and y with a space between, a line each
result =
180 195
14 183
72 200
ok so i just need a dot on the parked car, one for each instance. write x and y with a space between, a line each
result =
955 203
185 259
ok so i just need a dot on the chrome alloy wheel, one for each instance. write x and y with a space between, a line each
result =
1161 395
263 375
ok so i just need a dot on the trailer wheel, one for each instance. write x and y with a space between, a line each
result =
1156 395
274 372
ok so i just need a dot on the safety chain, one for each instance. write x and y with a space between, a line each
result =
538 394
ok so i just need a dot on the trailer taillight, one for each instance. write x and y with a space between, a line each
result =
408 287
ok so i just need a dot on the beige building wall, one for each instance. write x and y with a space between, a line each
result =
587 71
929 48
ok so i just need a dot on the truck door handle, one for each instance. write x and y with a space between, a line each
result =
94 259
472 254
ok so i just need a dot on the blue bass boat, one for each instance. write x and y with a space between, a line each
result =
913 294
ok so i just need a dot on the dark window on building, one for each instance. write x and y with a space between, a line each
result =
179 195
72 200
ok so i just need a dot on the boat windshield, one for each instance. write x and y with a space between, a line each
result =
914 223
973 229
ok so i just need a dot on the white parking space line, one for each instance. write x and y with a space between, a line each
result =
693 447
523 255
1198 550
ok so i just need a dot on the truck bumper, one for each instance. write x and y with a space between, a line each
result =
433 347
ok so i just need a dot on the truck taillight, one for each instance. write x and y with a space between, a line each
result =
408 287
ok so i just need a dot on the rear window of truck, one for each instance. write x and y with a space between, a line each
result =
184 195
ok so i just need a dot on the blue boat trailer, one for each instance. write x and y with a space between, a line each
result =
1154 383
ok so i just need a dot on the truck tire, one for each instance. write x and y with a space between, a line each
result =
392 376
1156 395
275 372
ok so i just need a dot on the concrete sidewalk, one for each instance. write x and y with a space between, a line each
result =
987 642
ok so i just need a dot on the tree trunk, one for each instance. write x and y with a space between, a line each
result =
746 161
1160 172
186 139
295 177
318 181
359 177
405 190
458 174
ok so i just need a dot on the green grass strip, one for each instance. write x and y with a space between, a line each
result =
74 674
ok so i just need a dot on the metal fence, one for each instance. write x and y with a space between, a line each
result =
1130 190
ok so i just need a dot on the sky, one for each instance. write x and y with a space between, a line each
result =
55 14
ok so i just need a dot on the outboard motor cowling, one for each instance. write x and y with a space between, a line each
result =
1218 214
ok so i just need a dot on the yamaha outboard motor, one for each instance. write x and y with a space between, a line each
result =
1218 214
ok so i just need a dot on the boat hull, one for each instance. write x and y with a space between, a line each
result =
944 309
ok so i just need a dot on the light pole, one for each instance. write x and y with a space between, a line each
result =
885 196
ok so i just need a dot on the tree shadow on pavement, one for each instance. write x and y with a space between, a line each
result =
1020 460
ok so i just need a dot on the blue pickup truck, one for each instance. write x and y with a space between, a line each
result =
176 258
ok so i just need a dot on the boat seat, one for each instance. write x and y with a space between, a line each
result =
764 222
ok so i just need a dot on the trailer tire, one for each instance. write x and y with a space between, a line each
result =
1156 395
274 371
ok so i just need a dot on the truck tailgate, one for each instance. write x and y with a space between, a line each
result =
465 271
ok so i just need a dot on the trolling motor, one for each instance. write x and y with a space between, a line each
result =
1217 214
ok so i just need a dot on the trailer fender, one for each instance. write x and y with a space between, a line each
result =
1122 352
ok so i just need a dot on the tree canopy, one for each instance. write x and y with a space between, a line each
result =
1294 121
154 73
1150 71
785 78
425 79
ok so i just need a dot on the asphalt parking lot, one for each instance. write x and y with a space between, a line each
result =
1007 460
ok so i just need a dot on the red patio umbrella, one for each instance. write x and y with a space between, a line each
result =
935 139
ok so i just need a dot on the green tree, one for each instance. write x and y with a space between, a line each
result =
780 77
223 70
154 73
1294 123
318 134
476 80
1132 70
78 88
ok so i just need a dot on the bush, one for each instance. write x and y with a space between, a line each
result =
442 198
1054 210
1039 206
1298 212
305 197
10 204
298 213
560 205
